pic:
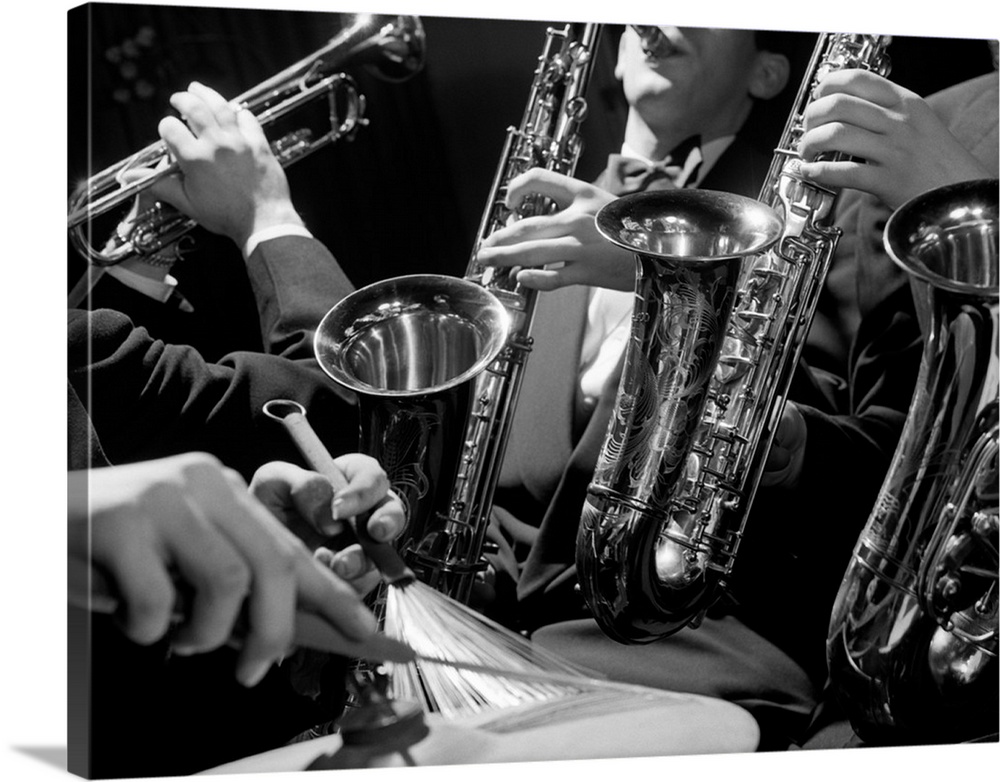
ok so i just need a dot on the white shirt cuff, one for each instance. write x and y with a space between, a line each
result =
287 229
159 290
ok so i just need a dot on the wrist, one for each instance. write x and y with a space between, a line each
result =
265 217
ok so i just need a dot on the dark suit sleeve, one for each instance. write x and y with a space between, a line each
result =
295 281
797 544
148 399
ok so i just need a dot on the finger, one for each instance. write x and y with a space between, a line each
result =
843 139
388 520
223 111
197 114
251 128
325 593
208 563
170 189
842 174
353 566
366 487
178 137
532 253
558 187
849 110
281 485
528 229
861 84
551 279
145 587
348 564
270 553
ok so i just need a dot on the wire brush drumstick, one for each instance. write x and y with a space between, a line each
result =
473 663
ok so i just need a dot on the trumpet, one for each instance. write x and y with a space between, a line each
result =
391 46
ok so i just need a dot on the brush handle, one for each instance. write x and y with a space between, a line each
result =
384 555
91 590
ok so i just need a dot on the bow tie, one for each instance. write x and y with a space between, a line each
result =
628 175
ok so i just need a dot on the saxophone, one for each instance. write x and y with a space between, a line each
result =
444 459
655 546
912 647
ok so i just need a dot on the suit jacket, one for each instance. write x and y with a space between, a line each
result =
139 398
133 397
853 429
861 272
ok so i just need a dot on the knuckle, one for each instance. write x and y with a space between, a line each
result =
230 578
150 607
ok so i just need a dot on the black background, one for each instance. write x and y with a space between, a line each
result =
407 194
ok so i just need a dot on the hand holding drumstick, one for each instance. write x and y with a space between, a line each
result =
187 524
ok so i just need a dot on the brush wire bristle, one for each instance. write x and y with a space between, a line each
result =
436 626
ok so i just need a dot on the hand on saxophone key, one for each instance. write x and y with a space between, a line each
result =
563 248
783 465
897 146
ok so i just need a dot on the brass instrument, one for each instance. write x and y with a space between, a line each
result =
912 646
393 46
449 493
653 559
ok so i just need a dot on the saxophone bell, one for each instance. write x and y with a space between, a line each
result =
695 532
411 347
635 553
912 646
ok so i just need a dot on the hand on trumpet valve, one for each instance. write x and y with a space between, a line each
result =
230 181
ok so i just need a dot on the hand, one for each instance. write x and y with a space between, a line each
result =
568 237
187 520
304 502
904 147
783 466
230 182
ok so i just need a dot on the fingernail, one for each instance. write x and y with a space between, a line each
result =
367 620
331 528
378 529
348 565
250 676
183 650
338 507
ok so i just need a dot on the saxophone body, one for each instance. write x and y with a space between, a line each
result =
912 646
444 460
652 562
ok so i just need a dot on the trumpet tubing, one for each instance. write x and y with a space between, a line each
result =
391 45
912 646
